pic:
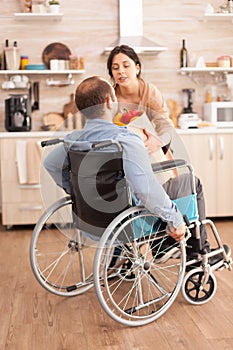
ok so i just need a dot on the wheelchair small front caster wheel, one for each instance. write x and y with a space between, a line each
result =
194 291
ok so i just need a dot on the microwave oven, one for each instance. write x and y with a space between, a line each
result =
220 114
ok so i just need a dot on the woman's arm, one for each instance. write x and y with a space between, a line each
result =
155 106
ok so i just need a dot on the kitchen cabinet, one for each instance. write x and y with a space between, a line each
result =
23 204
211 156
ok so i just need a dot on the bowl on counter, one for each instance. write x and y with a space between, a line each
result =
35 67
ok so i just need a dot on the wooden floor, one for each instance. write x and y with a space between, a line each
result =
33 319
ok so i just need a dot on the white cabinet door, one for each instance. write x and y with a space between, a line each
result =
202 152
24 203
224 171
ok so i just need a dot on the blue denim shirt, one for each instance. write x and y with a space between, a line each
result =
136 163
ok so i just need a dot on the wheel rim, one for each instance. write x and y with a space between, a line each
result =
194 291
58 254
153 286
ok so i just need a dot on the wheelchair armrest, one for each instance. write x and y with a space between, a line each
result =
168 164
51 142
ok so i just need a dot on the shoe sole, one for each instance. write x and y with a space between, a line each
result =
172 253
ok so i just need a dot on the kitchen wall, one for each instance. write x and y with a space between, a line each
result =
88 26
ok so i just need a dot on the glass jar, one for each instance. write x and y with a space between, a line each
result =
73 62
38 6
224 61
230 6
23 61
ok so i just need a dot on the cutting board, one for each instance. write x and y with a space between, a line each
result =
53 121
70 108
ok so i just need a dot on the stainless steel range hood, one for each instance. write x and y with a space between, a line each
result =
131 29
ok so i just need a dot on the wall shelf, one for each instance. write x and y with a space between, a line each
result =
38 16
218 17
41 72
210 70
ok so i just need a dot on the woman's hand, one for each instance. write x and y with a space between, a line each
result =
151 143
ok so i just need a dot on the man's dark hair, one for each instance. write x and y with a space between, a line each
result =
90 96
126 50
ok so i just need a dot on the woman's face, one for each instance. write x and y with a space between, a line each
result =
124 70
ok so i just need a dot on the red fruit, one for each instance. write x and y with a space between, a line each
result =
135 113
127 116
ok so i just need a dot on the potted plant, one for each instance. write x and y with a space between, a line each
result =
54 6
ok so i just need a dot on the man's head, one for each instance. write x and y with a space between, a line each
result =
94 97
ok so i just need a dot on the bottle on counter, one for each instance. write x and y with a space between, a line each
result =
23 61
183 55
4 67
230 6
211 93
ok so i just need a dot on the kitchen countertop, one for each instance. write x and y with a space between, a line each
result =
205 130
44 134
28 134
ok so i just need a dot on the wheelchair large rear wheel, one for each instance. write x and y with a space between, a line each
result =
61 258
138 268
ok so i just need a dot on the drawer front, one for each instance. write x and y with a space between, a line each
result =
9 168
8 150
16 193
21 213
9 172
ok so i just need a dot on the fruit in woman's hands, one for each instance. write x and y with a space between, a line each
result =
126 117
117 117
119 123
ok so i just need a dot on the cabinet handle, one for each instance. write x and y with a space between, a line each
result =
33 208
221 147
33 187
211 147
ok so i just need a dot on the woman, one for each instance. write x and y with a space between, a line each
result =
124 67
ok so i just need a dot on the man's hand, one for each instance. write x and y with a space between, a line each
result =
176 233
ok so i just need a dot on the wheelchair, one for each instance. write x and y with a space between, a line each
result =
97 237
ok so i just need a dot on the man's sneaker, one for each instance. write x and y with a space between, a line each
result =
211 260
218 257
115 257
167 253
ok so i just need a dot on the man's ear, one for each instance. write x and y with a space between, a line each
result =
108 102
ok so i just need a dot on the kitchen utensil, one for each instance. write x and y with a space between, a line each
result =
68 81
20 81
12 57
57 51
70 107
175 111
7 85
35 87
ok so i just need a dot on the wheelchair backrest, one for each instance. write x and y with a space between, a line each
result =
99 189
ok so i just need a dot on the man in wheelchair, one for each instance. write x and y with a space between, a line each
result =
96 100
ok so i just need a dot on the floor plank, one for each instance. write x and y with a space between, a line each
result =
33 319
